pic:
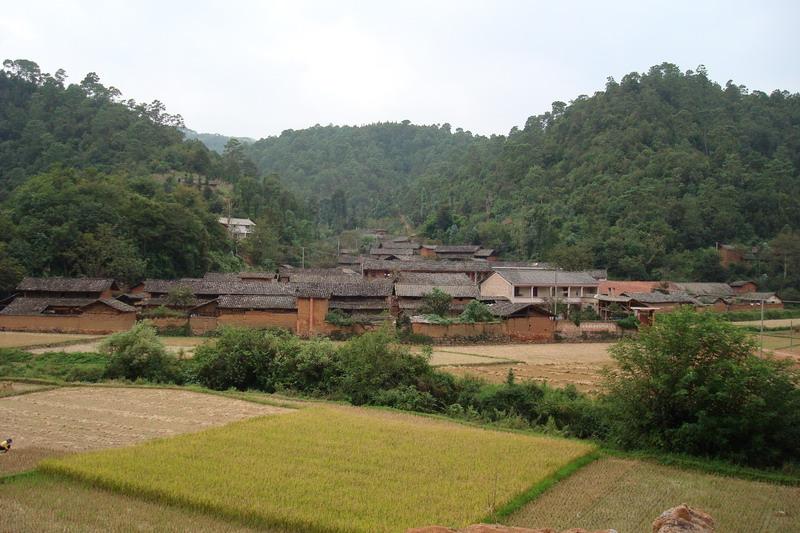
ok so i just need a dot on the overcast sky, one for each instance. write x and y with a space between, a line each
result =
257 68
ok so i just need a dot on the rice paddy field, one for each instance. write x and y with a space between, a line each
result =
628 495
331 468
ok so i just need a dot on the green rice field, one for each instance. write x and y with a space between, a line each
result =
328 468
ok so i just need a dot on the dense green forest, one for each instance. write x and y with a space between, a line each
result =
214 141
643 178
91 184
354 174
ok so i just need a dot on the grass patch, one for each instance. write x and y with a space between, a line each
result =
61 366
627 495
333 469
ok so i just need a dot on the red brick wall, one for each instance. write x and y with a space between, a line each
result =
93 323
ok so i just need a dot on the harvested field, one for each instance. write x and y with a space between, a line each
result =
775 323
559 364
89 418
19 339
627 495
38 503
443 358
12 388
333 468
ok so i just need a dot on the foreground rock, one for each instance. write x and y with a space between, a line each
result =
680 519
683 519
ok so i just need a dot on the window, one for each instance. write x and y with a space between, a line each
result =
522 292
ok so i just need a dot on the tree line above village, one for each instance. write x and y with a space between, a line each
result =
643 178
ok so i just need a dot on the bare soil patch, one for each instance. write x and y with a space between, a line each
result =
12 388
89 418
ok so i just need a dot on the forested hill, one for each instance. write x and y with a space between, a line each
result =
213 141
641 178
89 185
357 172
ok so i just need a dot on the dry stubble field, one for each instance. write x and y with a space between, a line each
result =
559 364
67 420
627 495
22 339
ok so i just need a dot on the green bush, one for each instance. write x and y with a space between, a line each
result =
241 358
476 311
162 312
339 318
436 302
629 322
139 354
692 384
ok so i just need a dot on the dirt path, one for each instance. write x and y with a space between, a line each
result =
88 418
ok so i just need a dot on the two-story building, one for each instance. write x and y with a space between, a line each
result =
239 228
544 287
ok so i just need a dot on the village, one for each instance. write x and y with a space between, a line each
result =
528 301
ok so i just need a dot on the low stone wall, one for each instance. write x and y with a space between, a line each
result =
92 323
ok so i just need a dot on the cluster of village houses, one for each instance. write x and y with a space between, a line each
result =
526 298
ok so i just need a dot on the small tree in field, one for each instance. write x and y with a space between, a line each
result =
692 383
139 354
436 302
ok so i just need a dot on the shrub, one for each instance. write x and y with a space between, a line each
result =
338 318
139 354
241 358
629 322
374 362
406 397
436 302
163 312
476 311
691 383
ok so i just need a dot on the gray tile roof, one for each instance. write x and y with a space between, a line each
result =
457 249
661 298
417 291
705 289
242 301
36 306
504 309
434 278
532 276
427 266
366 303
400 245
755 296
59 284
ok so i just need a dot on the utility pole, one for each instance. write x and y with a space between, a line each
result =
555 292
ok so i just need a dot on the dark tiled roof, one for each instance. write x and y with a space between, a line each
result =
400 245
705 289
202 287
158 301
510 308
417 291
348 288
427 266
240 301
755 296
531 276
459 249
484 252
434 278
661 298
741 283
36 306
366 303
65 284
